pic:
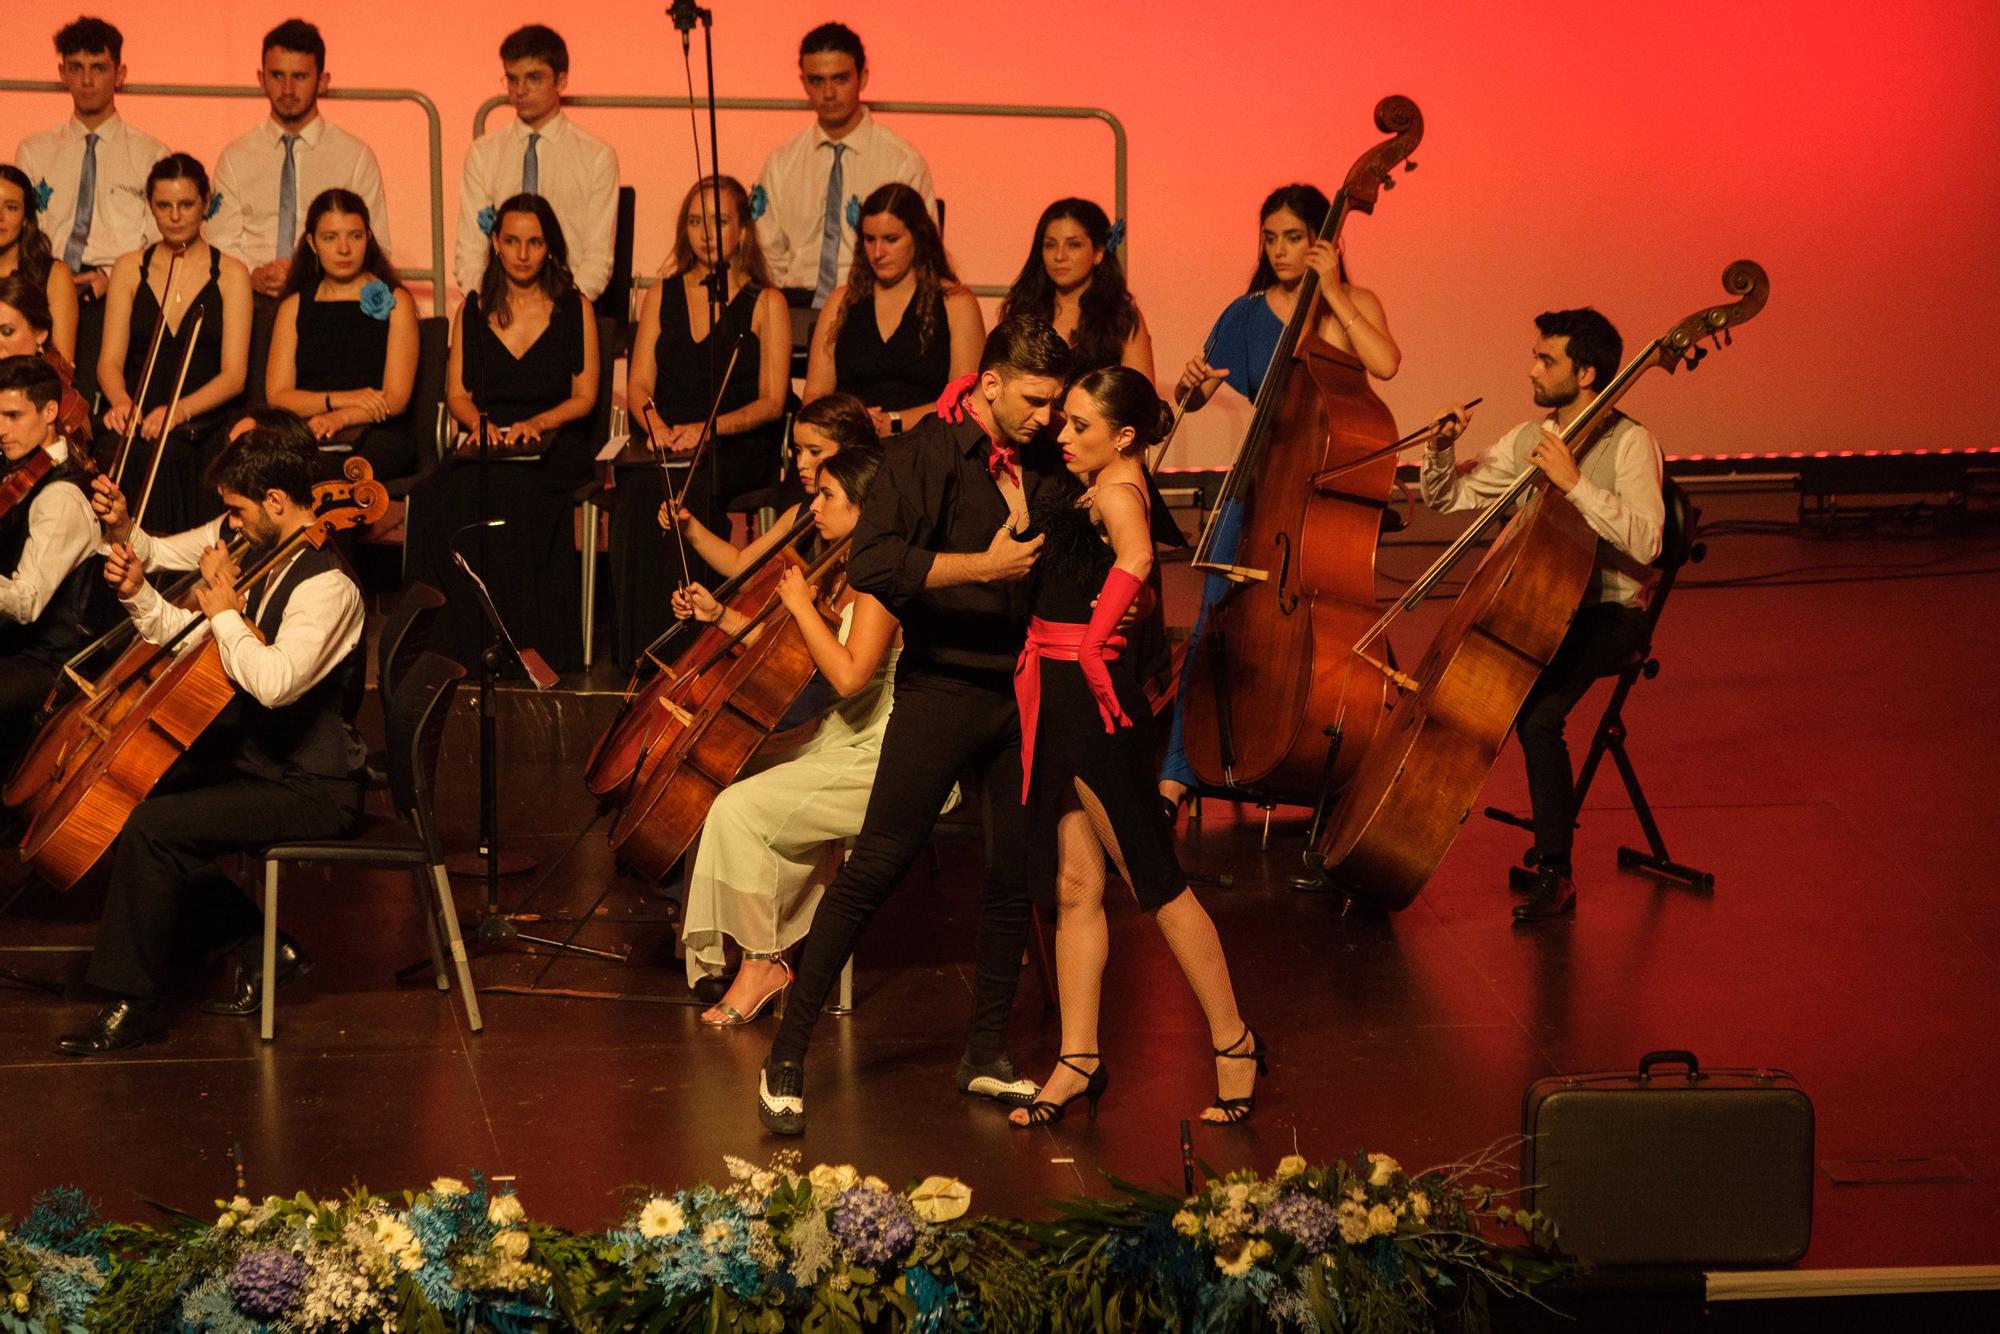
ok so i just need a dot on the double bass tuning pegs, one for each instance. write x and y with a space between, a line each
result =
1694 356
1411 165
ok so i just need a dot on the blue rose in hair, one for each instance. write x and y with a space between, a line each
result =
377 299
42 195
487 217
1116 236
854 210
759 202
214 205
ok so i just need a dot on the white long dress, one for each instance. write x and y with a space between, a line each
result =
764 858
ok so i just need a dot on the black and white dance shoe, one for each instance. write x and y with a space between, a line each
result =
117 1027
781 1097
246 987
998 1079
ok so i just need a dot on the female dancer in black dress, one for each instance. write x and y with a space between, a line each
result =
524 366
344 343
1087 747
177 192
676 358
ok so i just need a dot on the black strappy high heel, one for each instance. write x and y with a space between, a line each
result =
1237 1110
1042 1113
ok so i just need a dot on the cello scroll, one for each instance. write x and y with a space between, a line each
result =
1682 344
1373 171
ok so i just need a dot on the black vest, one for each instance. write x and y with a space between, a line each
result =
309 736
81 608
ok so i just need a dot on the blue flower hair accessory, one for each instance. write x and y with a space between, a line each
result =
214 206
377 299
1116 236
854 210
487 217
43 193
759 202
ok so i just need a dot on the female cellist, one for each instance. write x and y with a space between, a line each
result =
758 874
1239 352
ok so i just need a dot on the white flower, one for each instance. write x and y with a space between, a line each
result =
21 1302
505 1210
1187 1224
1353 1221
660 1218
1291 1165
941 1199
1385 1168
763 1183
1243 1261
828 1181
511 1244
1420 1205
241 1205
1381 1221
226 1222
1238 1194
875 1183
715 1234
447 1186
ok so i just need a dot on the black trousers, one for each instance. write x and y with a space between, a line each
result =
939 726
1599 637
24 686
164 881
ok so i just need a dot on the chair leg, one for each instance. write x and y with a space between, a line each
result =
448 914
844 1002
589 545
1657 859
422 879
268 1024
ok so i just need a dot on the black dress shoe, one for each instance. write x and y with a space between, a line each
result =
246 990
116 1027
1520 880
1551 895
998 1079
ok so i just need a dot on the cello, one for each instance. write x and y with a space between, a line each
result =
1417 784
161 709
74 726
1275 704
752 692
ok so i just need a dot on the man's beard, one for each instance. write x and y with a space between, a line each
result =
1551 398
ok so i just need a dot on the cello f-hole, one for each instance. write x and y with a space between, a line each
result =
1287 600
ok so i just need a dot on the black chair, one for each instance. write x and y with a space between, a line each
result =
1678 547
592 508
416 716
405 631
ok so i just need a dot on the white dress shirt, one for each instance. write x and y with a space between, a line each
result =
60 537
575 171
794 186
180 551
119 219
1618 496
322 625
247 177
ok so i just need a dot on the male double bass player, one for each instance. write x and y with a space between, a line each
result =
277 768
1616 488
48 537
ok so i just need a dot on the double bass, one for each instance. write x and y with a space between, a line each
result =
1418 781
1273 682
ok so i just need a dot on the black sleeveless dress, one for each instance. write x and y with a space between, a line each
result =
645 559
342 347
907 370
1071 746
529 565
180 499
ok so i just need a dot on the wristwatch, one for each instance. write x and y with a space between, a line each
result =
895 423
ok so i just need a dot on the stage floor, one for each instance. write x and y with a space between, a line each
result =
1826 749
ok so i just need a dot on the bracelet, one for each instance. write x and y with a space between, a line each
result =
1350 324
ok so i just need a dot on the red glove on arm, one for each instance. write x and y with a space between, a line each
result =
1120 590
951 403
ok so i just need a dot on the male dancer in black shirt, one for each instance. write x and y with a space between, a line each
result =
943 543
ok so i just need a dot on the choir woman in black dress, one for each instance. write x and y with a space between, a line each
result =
1073 279
676 360
1087 747
344 342
524 371
177 193
902 326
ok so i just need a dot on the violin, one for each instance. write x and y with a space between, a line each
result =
22 479
1417 783
1274 705
73 418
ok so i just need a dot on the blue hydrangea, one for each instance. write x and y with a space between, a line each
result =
265 1283
874 1226
692 1260
760 202
1307 1219
1116 236
487 217
854 210
214 205
934 1300
43 194
64 1222
377 299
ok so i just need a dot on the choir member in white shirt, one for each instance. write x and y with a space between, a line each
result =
813 183
278 770
539 152
96 160
47 540
265 180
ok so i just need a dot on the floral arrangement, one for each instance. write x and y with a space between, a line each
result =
1355 1245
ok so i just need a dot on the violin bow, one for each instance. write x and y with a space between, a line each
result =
707 437
145 376
167 425
1159 451
1423 435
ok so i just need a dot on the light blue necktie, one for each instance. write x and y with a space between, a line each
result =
829 231
288 201
531 170
86 204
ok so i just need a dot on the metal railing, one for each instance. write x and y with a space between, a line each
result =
799 104
436 273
